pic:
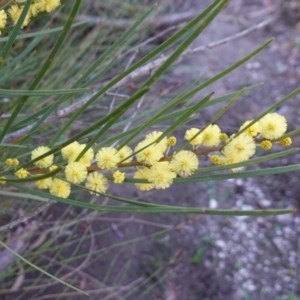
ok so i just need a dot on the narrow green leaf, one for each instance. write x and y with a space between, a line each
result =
158 209
244 174
4 145
35 93
22 195
40 33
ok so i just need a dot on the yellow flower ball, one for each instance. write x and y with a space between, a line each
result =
123 153
50 5
184 163
15 162
223 137
3 18
153 136
2 180
143 173
107 158
286 142
252 130
9 162
266 145
190 133
118 176
22 173
15 11
53 167
36 8
240 148
211 136
171 141
44 184
87 157
272 126
215 159
71 152
161 176
96 182
43 162
60 188
149 155
76 172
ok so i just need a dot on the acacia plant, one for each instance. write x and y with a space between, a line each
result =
47 157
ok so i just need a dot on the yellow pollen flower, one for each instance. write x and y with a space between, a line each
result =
184 162
60 188
107 158
3 18
53 167
252 130
215 159
286 142
96 182
15 162
272 126
211 135
171 141
2 180
22 173
148 156
87 157
43 162
190 133
118 176
36 8
71 151
153 136
15 11
266 145
76 172
240 148
50 5
143 173
161 176
44 184
9 162
223 137
123 153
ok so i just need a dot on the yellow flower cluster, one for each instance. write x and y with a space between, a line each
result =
241 147
158 172
155 169
36 7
